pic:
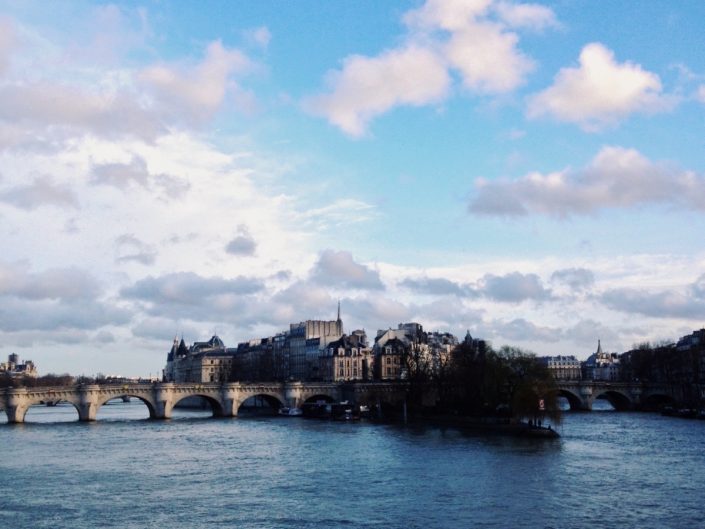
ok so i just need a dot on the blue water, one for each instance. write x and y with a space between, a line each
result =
608 470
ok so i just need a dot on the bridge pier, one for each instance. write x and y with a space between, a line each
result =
88 402
16 405
164 400
229 399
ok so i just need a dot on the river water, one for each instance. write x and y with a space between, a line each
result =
609 470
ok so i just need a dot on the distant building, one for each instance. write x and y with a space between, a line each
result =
349 358
694 340
563 367
306 342
408 346
14 368
207 361
602 366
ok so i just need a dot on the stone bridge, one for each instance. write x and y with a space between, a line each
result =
581 394
160 398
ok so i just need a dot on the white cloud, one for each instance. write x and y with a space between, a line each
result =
369 86
449 15
616 178
65 284
576 278
136 172
41 192
533 16
197 90
701 93
466 36
488 58
242 244
513 288
600 92
131 249
339 269
260 36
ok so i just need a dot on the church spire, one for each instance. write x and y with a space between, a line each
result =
599 347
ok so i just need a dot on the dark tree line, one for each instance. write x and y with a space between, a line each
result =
478 381
7 381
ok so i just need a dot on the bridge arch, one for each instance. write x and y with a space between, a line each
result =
619 400
328 399
274 400
574 400
214 401
147 402
657 401
22 410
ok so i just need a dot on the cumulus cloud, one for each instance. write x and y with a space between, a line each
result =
259 36
51 315
532 16
616 178
42 106
488 58
522 330
53 301
187 288
437 286
56 283
663 304
41 192
242 244
135 172
473 38
599 92
513 287
197 91
575 278
339 269
132 249
369 86
163 329
378 311
587 332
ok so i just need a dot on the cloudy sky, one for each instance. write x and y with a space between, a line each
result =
531 172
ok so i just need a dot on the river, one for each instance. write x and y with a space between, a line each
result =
609 469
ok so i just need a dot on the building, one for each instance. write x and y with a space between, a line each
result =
602 366
349 358
409 351
14 368
563 367
207 361
306 341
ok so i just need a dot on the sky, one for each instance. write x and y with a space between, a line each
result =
530 172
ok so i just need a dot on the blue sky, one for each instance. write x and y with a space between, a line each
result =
532 172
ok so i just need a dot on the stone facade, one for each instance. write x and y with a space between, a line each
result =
347 359
207 361
14 368
601 366
563 367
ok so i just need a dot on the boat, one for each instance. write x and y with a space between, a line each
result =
286 411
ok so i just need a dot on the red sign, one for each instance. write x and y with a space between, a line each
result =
542 405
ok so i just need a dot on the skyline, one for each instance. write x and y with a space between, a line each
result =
532 172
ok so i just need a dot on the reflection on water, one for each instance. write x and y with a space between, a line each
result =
608 470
